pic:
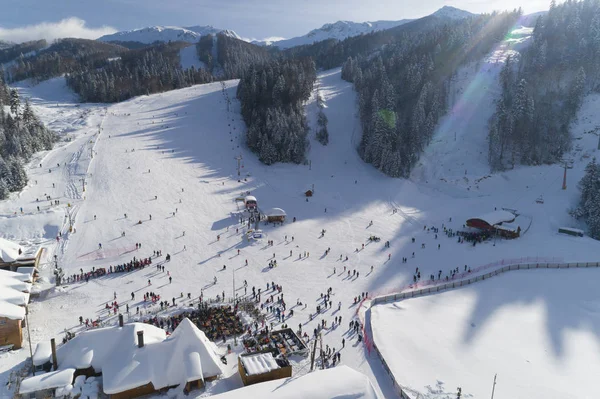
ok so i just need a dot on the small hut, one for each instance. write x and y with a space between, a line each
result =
275 215
261 367
308 193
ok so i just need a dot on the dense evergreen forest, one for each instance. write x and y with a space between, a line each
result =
63 56
542 91
21 134
14 51
333 53
233 56
588 209
137 72
402 88
271 96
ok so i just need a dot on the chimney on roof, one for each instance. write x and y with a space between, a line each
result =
140 335
54 359
120 320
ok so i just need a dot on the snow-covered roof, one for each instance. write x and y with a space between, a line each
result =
572 229
9 251
14 294
493 218
275 212
259 363
52 380
42 354
250 198
336 382
512 227
163 362
27 270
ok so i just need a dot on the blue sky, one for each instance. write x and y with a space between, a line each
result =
249 18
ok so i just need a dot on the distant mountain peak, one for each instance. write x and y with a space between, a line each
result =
339 30
452 13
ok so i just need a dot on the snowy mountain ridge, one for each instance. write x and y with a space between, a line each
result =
338 30
159 33
452 13
341 30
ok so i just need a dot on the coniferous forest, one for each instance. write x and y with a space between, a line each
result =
272 96
21 135
588 209
402 90
137 72
542 91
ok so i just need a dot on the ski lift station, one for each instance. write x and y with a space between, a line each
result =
250 202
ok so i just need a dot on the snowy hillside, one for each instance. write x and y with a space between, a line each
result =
458 153
339 30
160 171
452 13
538 330
164 34
188 57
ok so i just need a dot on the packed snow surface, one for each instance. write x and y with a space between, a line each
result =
188 57
340 382
538 330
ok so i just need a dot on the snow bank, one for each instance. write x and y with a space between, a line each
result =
54 379
260 363
337 382
42 354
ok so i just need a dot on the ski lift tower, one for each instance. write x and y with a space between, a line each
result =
239 162
566 164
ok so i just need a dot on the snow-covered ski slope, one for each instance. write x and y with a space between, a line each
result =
188 57
151 147
458 152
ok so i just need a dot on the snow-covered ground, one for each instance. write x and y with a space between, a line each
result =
174 153
188 57
538 330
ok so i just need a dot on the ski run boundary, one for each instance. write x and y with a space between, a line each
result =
405 392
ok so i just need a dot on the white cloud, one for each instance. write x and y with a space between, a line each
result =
68 27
